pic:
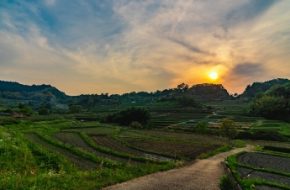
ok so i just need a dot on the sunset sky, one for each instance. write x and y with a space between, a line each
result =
115 46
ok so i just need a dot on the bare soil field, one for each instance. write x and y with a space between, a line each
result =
260 160
252 174
171 149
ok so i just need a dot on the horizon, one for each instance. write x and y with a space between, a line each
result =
121 46
153 91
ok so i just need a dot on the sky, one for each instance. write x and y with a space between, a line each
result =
117 46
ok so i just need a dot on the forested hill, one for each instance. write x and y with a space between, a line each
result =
14 90
200 92
209 92
46 93
260 87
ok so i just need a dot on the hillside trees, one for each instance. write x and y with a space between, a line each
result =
129 116
274 104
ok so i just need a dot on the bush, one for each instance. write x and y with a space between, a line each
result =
226 183
188 101
136 125
201 126
128 116
229 128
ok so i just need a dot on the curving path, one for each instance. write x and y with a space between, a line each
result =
201 175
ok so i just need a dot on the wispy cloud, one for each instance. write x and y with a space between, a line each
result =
124 45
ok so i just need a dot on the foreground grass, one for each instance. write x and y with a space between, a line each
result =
32 165
26 165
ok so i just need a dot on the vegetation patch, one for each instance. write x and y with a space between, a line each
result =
79 161
77 140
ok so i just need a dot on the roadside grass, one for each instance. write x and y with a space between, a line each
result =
233 144
224 148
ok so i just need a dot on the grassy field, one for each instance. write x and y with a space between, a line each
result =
76 151
68 154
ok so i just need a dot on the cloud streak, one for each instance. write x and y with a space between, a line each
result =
123 45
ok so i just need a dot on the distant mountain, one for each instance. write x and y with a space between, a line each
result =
37 95
17 91
260 87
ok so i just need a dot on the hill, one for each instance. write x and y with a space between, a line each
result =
209 92
260 87
37 94
33 93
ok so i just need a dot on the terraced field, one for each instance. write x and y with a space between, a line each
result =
93 155
154 144
267 170
75 140
120 146
79 161
261 160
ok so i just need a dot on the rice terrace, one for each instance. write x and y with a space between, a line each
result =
144 95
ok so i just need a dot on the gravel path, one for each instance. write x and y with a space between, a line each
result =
201 175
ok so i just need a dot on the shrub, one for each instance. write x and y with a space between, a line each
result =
136 125
226 183
126 117
187 101
201 126
229 128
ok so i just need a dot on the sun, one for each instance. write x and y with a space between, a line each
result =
213 75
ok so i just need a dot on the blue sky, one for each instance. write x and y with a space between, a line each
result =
115 46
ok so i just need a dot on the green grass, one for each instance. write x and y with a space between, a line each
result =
25 165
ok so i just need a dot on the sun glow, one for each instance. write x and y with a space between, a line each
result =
213 75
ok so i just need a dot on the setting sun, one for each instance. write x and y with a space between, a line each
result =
213 75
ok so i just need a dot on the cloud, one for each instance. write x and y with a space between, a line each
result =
50 2
189 47
248 11
123 45
248 69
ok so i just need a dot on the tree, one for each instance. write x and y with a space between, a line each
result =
187 101
25 109
44 109
273 104
229 128
201 126
182 87
75 108
128 116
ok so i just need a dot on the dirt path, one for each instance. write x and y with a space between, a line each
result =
202 175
